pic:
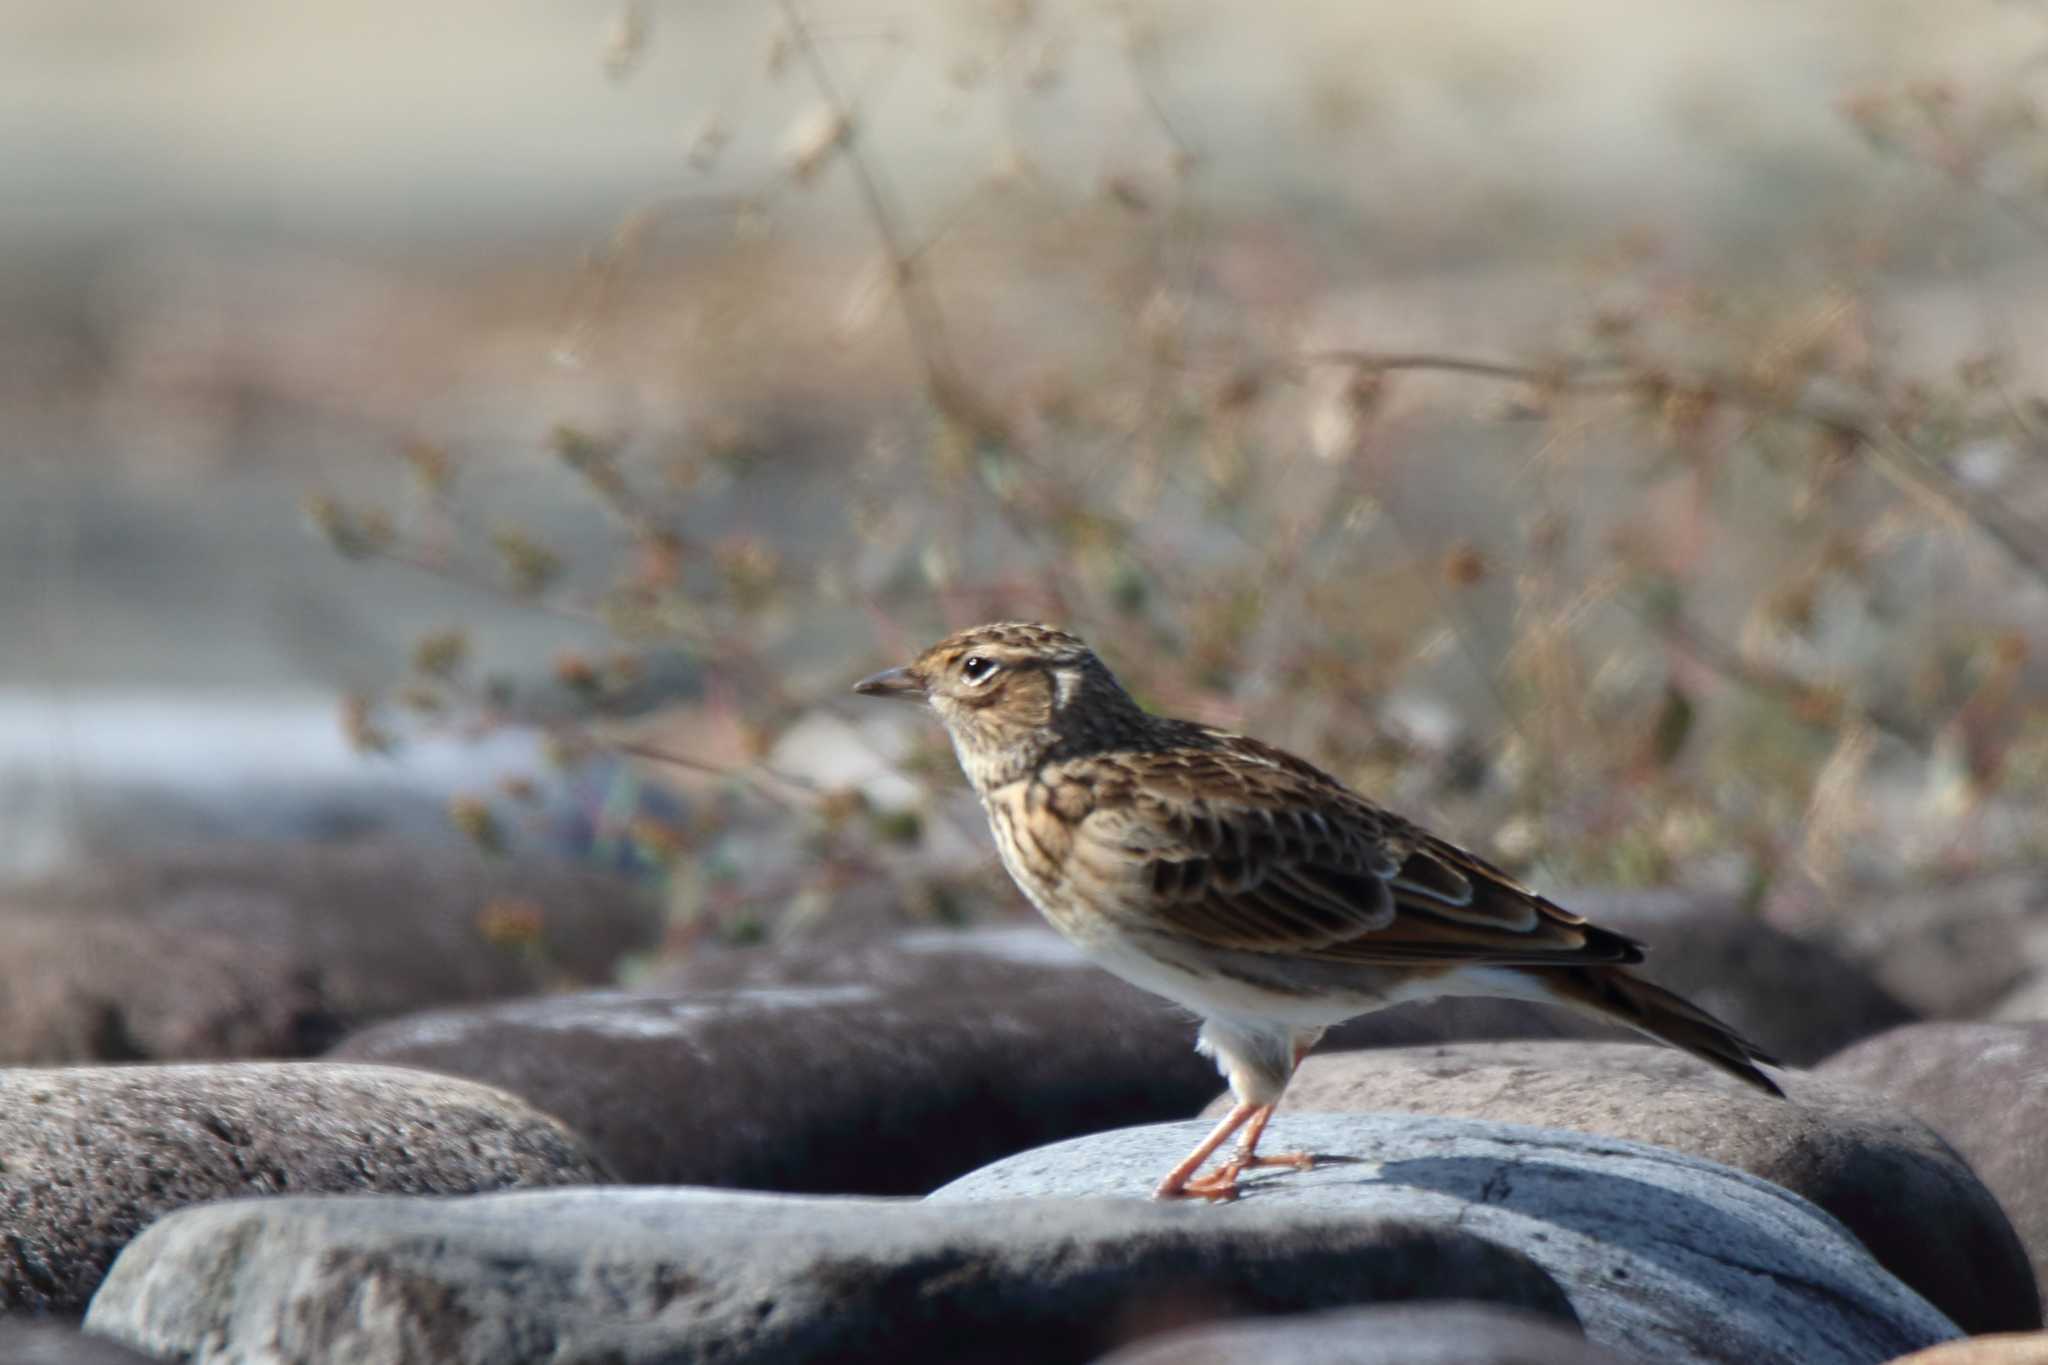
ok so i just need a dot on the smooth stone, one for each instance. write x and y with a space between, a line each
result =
1798 998
278 950
885 1066
2003 1348
2026 1005
1886 1175
628 1276
1984 1088
89 1156
1666 1257
1949 950
61 1343
890 1064
1398 1334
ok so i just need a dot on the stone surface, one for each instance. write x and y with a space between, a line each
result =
1400 1334
1665 1257
676 1275
2002 1348
891 1064
278 950
1983 1087
61 1343
1949 950
884 1067
1799 999
2027 1004
89 1156
1903 1191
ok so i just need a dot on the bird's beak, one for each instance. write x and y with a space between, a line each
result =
898 684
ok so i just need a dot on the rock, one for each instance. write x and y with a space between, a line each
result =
883 1064
1902 1190
883 1067
1798 999
990 959
1983 1087
277 951
89 1156
1665 1257
60 1343
2004 1348
2027 1004
1404 1334
1949 950
679 1275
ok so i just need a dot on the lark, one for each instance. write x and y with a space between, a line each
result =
1250 886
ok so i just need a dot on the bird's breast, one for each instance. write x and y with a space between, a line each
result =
1038 849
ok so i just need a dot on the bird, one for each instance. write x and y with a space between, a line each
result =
1249 886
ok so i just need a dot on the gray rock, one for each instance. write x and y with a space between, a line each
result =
1983 1087
2026 1005
1665 1257
1903 1191
61 1343
278 950
2003 1348
883 1067
1949 950
675 1275
90 1156
1799 999
891 1064
1403 1334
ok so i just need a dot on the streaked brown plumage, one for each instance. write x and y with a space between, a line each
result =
1248 885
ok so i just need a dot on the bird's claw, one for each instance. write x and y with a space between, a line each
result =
1300 1161
1220 1186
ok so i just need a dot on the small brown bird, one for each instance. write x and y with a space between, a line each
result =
1248 885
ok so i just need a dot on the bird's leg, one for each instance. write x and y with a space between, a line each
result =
1221 1183
1258 1073
1177 1181
1247 1148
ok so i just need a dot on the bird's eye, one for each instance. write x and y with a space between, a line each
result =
976 669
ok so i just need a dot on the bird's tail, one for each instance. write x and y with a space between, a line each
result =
1613 994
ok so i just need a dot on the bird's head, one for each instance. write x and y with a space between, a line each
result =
1008 694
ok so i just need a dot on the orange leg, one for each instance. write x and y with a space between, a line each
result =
1176 1183
1222 1183
1247 1146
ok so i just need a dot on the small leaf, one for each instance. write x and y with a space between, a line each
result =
359 726
353 534
441 653
531 566
478 823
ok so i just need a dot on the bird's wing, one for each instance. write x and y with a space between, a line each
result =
1254 850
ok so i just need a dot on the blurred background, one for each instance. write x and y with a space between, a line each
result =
1612 432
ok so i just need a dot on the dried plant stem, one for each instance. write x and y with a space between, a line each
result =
921 314
596 466
437 566
1824 704
1897 458
762 777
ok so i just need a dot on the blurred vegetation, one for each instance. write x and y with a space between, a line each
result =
1723 583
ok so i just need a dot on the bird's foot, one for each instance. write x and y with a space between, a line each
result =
1300 1161
1219 1186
